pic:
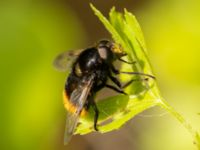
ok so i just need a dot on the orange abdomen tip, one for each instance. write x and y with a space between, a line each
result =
69 106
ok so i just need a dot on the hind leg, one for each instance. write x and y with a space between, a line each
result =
96 115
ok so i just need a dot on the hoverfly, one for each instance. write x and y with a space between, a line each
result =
90 71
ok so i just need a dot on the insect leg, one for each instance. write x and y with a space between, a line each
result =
96 115
120 59
129 82
115 89
115 80
103 84
115 71
137 73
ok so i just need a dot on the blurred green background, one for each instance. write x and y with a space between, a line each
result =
33 32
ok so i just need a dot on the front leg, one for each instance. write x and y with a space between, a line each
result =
115 71
122 60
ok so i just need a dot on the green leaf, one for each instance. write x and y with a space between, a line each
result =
115 111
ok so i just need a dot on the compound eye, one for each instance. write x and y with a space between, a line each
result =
103 52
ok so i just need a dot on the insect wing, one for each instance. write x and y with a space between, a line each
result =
71 123
79 96
64 60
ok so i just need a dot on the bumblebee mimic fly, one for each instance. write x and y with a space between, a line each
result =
91 68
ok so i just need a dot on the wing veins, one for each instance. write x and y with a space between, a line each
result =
81 94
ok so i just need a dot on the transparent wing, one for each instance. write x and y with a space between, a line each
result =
64 60
79 96
71 123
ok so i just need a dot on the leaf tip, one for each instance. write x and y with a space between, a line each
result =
125 10
112 9
92 6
